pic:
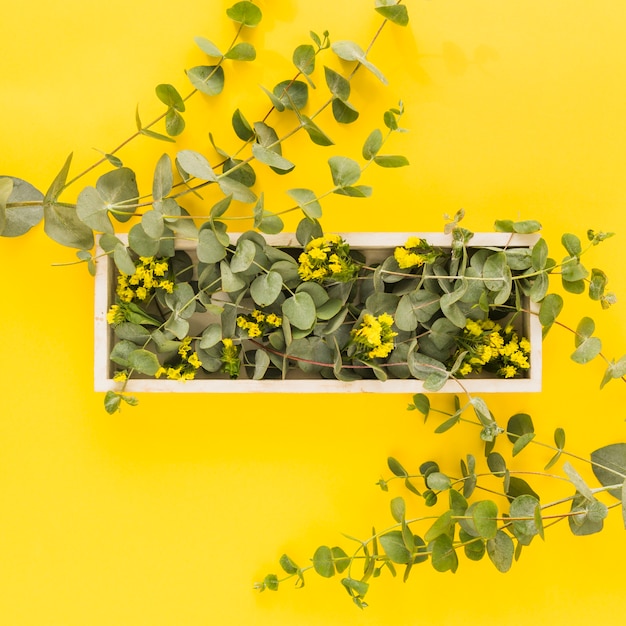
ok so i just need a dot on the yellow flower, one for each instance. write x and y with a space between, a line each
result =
385 319
120 377
167 285
160 372
473 328
274 320
495 340
160 268
524 345
228 343
253 330
142 293
194 360
184 347
259 316
115 315
520 360
508 371
465 369
317 254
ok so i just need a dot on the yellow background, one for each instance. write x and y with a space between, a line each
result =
166 514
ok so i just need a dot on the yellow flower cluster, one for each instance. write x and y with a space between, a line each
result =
115 315
414 253
327 257
258 323
188 363
498 349
151 273
230 358
374 336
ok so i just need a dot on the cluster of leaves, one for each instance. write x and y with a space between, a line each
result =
492 511
115 194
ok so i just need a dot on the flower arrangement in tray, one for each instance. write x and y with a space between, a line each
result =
185 300
325 310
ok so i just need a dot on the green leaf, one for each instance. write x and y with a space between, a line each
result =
270 582
443 554
153 135
174 123
588 350
62 224
391 160
208 47
242 51
288 565
522 442
526 506
144 361
438 481
396 468
242 127
344 171
572 244
230 281
344 112
304 59
269 157
243 257
208 79
360 587
577 480
293 94
245 13
123 260
609 466
501 550
372 144
393 545
396 13
550 308
169 96
422 404
315 133
518 425
597 284
525 227
589 518
231 187
323 562
481 520
614 370
448 424
261 363
19 220
195 164
300 310
398 508
210 249
307 201
350 51
539 255
112 402
339 86
275 100
266 288
441 526
163 178
58 184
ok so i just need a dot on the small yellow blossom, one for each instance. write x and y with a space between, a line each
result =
120 377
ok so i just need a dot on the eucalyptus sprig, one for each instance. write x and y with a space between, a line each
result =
490 511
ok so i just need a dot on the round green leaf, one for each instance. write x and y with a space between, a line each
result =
265 288
144 362
245 13
300 310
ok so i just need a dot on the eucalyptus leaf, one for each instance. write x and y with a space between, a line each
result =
208 79
242 51
245 13
351 51
18 220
